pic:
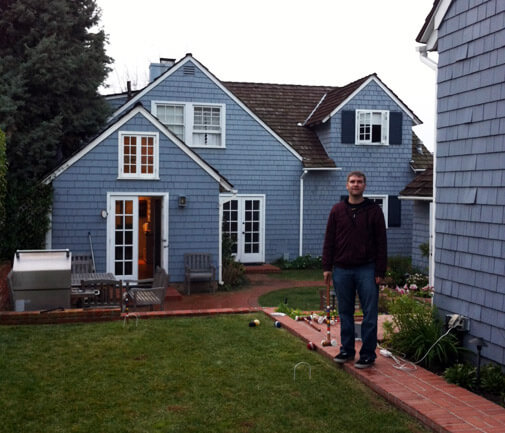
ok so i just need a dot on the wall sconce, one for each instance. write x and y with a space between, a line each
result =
104 213
181 201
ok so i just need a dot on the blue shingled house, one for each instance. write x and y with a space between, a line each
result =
469 170
189 158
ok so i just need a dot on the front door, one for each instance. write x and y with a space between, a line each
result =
243 220
136 235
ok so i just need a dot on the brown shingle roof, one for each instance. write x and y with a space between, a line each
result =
422 158
333 99
283 107
420 186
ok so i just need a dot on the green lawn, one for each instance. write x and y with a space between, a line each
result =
300 298
207 374
300 275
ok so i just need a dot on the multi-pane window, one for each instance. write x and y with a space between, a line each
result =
138 155
206 126
372 127
172 116
230 223
382 201
198 125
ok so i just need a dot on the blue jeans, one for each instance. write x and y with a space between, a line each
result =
347 282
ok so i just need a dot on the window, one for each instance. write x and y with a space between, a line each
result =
138 155
382 201
198 125
172 116
372 127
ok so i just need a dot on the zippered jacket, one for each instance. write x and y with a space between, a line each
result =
355 238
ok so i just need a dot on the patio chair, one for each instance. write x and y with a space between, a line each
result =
102 293
143 295
198 267
82 264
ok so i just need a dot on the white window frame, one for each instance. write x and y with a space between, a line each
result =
384 127
189 110
384 206
138 174
157 104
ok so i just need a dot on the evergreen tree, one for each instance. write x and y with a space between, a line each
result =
52 62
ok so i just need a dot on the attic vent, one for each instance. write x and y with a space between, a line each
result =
189 70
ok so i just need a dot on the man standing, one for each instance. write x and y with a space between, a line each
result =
355 250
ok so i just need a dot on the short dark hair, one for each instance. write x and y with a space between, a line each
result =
358 174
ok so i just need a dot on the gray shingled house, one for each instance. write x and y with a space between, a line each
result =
469 37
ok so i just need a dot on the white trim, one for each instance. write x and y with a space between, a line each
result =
385 204
161 128
413 197
385 89
225 197
138 175
430 35
180 64
384 123
164 250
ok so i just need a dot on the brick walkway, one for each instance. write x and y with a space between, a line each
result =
429 398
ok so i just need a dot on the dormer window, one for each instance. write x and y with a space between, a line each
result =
198 125
138 155
372 127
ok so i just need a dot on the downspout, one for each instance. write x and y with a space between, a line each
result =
423 55
300 250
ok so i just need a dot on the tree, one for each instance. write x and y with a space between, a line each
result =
52 62
3 180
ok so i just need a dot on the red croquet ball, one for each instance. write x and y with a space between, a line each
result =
311 345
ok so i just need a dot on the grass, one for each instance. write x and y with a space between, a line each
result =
209 374
301 298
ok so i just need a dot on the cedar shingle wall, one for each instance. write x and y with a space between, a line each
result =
470 234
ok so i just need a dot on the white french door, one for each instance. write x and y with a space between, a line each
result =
128 228
243 219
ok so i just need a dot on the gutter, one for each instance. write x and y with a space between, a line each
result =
414 197
304 173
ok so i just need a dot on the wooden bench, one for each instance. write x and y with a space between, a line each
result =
198 267
142 295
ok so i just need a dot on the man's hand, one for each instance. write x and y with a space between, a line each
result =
327 277
379 281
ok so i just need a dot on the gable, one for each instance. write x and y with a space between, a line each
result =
122 125
188 66
335 100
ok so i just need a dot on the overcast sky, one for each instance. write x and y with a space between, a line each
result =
318 42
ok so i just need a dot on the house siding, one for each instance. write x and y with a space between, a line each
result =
244 160
470 194
80 193
386 167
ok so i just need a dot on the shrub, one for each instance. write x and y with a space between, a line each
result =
464 375
301 262
233 272
417 331
399 268
492 379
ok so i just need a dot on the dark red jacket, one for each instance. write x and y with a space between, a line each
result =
354 239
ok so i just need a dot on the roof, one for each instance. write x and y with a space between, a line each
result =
333 99
422 158
420 187
284 108
286 111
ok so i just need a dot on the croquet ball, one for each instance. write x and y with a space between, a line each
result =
333 342
311 345
252 324
277 324
256 322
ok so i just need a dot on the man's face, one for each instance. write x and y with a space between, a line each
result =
356 186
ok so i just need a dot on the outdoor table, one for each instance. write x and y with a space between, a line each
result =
81 297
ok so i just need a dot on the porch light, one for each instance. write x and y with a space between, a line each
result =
181 201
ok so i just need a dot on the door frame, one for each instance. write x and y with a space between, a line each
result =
224 198
111 196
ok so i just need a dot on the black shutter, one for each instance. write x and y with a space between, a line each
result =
394 211
348 127
395 127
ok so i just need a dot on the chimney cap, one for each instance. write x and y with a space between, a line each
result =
166 60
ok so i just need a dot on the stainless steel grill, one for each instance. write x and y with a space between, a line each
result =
40 279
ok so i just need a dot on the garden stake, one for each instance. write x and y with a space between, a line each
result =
328 341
